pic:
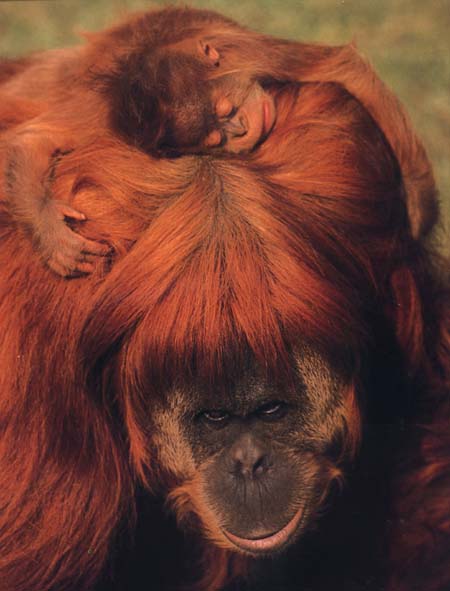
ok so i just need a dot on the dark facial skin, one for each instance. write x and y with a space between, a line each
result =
260 456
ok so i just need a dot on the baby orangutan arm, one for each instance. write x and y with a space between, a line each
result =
31 159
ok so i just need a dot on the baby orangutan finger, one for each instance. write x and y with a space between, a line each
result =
58 268
64 270
68 266
87 258
83 269
91 247
213 139
66 211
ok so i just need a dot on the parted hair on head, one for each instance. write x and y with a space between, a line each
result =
221 263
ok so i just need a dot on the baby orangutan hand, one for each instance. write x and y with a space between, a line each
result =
65 251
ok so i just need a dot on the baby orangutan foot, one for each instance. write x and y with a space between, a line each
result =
67 253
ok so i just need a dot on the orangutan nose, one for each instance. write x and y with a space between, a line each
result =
250 457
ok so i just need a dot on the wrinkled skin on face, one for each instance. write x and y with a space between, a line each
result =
255 463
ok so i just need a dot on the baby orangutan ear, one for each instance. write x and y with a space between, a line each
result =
210 53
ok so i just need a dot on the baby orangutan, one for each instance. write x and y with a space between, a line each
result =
169 82
162 102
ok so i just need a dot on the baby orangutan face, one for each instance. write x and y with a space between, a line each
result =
245 116
207 112
243 112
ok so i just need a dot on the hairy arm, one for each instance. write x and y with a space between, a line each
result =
31 159
276 60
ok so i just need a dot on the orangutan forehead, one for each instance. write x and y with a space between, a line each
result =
312 376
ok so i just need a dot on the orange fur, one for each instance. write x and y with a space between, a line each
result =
214 257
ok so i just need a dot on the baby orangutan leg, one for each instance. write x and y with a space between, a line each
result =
31 159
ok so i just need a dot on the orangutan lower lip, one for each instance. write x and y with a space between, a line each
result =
267 543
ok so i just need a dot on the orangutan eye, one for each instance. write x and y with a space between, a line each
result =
215 416
272 410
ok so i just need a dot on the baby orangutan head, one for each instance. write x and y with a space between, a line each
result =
175 100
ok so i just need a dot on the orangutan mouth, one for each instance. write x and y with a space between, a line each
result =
267 543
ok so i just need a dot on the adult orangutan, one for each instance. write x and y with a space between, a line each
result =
170 82
271 323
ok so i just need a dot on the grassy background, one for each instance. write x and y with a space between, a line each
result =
407 40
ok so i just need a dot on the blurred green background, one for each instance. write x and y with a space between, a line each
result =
407 40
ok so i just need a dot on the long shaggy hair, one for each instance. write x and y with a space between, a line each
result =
306 239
